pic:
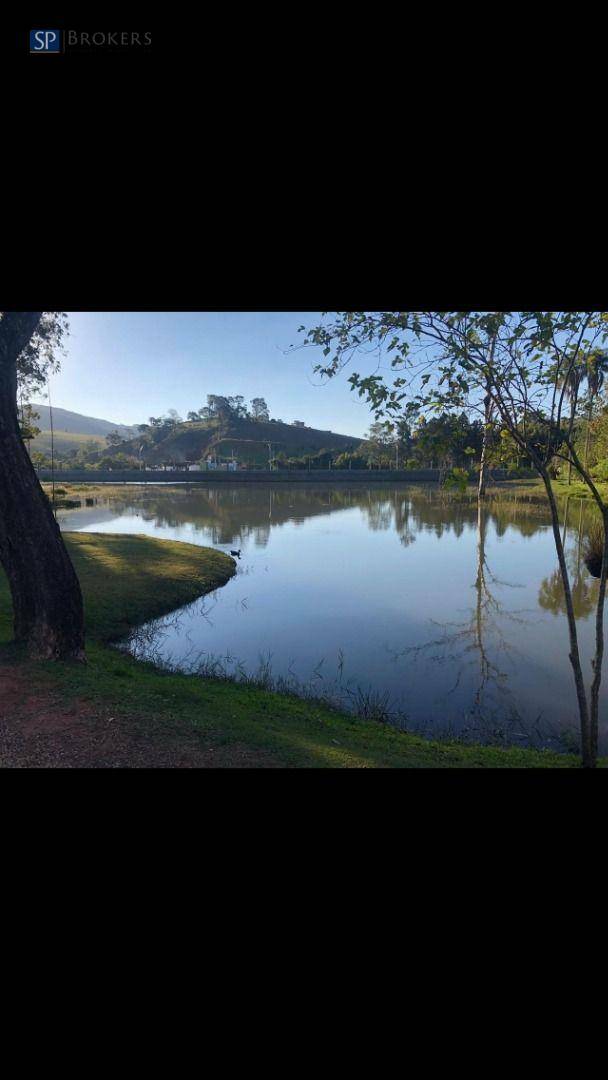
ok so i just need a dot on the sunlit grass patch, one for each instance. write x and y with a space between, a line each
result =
127 580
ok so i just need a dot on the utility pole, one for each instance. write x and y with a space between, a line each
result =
48 391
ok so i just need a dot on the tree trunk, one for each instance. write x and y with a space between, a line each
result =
481 493
487 418
589 758
47 601
599 645
565 520
587 436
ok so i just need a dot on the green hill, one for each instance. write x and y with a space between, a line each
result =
73 432
247 439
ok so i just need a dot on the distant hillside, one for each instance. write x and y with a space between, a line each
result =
66 441
247 438
76 424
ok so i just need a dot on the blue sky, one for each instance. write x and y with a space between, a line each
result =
127 366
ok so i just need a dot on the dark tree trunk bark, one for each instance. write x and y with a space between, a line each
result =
597 661
588 434
47 601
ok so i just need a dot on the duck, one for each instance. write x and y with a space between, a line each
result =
237 554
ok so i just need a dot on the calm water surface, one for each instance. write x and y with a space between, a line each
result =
395 594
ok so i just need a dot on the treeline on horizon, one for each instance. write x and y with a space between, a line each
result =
218 407
444 441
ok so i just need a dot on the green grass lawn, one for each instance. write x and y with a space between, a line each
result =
536 488
579 490
129 579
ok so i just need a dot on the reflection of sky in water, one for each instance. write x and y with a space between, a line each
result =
387 578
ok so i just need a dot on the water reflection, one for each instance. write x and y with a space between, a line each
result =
448 614
584 588
229 514
483 646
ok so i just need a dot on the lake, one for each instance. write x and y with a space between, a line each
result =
386 598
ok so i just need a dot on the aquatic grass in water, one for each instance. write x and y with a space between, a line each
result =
366 703
593 551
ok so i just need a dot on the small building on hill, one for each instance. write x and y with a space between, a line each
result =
228 465
298 423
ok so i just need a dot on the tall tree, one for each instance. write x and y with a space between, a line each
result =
510 368
114 438
238 407
570 380
219 406
172 419
259 409
47 601
596 367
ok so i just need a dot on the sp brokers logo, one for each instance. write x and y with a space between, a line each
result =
45 41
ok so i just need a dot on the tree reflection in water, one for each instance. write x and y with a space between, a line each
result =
479 642
584 588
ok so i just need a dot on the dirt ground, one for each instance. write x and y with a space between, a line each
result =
40 730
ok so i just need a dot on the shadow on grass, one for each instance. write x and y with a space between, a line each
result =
127 580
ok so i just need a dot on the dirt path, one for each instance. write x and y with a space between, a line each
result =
39 729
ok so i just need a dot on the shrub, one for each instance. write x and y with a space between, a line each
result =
594 549
600 471
456 480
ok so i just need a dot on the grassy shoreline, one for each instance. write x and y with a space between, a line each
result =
127 580
536 488
531 487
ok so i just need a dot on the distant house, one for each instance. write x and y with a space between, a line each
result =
298 423
223 466
174 466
